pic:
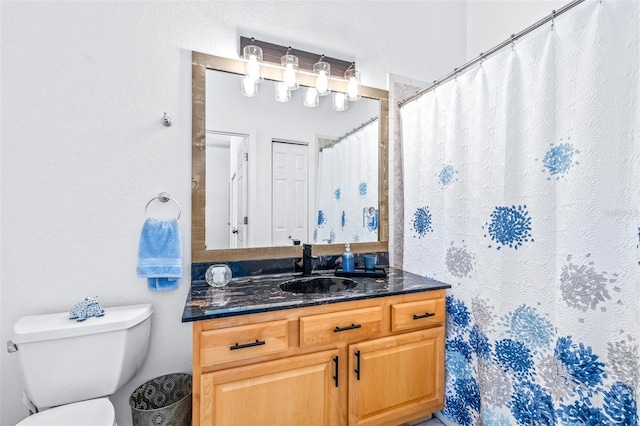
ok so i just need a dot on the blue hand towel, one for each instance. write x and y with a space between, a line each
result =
160 254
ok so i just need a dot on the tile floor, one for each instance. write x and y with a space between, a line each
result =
432 422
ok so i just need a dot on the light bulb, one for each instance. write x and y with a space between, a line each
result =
282 92
249 86
290 76
323 73
353 83
339 101
253 68
311 97
353 89
253 65
322 83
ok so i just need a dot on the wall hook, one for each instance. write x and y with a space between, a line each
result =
166 120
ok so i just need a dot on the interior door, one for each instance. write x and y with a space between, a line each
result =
290 196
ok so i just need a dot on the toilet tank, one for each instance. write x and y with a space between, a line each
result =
64 361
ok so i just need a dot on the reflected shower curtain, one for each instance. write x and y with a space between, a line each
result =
522 191
347 189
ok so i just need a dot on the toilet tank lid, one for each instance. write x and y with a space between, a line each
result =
37 328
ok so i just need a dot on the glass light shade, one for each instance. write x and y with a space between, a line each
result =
311 98
253 67
248 87
353 84
290 75
323 74
340 101
282 92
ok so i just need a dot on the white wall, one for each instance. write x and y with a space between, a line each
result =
84 86
492 22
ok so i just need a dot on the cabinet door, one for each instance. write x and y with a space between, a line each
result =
294 391
397 378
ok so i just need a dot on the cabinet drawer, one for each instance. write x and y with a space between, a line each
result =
247 341
340 326
420 314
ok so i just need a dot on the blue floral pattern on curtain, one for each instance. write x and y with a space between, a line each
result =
521 191
347 207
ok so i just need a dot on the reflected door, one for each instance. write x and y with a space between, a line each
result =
226 206
290 197
233 212
241 219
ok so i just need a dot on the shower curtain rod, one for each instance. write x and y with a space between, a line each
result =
493 50
360 127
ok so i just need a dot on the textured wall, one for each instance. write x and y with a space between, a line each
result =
492 22
84 85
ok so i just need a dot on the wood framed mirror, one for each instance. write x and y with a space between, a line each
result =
203 94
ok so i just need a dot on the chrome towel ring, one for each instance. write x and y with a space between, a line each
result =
163 197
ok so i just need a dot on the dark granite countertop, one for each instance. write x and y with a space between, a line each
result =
250 295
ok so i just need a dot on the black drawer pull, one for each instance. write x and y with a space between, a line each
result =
247 345
426 315
350 327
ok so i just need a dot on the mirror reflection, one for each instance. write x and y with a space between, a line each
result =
278 174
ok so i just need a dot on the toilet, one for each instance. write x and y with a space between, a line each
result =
69 368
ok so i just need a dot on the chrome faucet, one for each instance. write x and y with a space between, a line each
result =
307 260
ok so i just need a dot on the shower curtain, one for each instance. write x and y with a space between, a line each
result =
347 189
522 191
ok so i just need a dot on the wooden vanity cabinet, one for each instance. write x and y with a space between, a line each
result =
376 361
291 391
396 377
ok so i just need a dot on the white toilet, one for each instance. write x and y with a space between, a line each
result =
74 366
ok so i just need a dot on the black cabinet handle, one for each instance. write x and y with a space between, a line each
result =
335 378
357 370
426 315
350 327
247 345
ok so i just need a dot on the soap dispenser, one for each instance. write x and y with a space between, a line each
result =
348 264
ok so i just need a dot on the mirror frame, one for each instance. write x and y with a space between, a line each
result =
201 62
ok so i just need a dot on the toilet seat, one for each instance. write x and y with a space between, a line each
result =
94 412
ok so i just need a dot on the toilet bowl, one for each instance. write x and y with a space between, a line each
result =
95 412
69 368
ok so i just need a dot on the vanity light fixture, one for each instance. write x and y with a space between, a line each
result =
353 82
322 70
266 60
253 55
290 73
